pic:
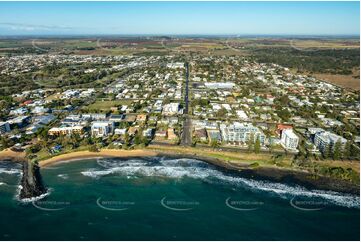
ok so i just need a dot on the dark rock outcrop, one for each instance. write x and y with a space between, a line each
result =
31 182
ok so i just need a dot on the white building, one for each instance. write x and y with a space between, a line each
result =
289 140
175 65
102 128
171 109
120 131
327 140
241 132
219 85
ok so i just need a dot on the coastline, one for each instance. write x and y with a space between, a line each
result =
238 168
8 154
104 153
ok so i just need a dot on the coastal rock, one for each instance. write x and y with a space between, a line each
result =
31 182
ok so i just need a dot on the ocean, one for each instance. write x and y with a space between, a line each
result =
160 198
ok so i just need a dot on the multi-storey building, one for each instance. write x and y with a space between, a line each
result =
66 130
289 140
102 128
327 140
241 132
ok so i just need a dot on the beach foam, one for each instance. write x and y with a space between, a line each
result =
180 168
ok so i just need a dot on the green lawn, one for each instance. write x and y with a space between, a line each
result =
106 105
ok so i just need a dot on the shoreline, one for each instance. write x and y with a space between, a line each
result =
104 153
244 169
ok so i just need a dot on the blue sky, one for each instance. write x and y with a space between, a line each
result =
268 18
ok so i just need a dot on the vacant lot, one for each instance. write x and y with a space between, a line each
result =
347 81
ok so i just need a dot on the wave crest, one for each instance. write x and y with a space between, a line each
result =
192 168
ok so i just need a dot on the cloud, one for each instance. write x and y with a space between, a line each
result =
33 27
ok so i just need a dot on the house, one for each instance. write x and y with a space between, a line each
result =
120 131
141 118
40 110
116 118
33 128
133 130
148 132
130 118
19 121
19 111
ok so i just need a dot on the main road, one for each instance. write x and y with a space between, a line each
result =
187 123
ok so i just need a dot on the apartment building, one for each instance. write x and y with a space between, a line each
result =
325 140
102 128
66 130
241 132
289 140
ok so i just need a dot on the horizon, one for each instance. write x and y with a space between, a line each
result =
179 18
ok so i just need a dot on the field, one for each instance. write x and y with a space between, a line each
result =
347 81
106 105
335 60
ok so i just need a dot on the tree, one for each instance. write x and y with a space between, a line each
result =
337 150
347 150
93 148
214 144
221 113
326 152
251 142
257 145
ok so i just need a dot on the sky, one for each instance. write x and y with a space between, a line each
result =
179 18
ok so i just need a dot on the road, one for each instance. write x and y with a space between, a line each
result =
187 124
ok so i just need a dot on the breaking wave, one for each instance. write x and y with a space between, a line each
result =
31 199
63 176
180 168
10 171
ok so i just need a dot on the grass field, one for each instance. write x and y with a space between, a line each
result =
106 105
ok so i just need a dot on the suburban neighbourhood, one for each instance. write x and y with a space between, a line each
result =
229 102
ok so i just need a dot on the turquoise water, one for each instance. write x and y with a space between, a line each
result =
169 199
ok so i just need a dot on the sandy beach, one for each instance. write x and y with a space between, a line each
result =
80 155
